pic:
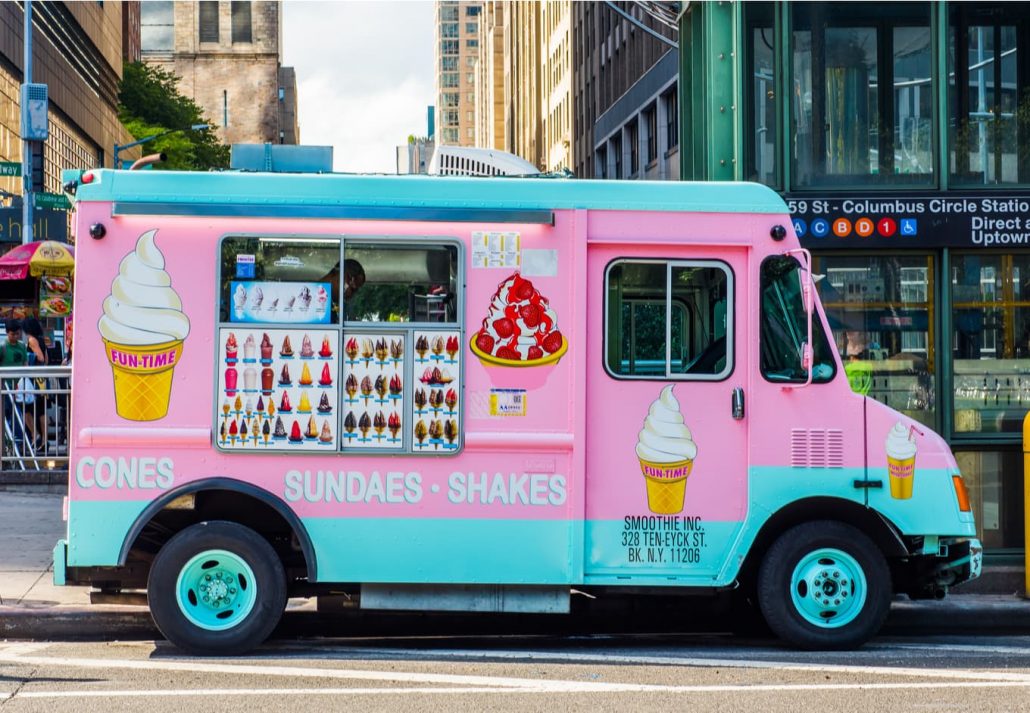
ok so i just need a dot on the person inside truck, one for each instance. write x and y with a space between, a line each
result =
353 277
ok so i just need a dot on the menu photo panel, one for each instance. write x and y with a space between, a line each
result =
436 423
277 389
373 402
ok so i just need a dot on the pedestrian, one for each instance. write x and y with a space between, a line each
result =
13 353
35 343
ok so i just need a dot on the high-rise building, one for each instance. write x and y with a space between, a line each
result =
489 110
77 53
556 84
457 48
228 58
625 85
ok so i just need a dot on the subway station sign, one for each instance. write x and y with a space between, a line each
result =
941 220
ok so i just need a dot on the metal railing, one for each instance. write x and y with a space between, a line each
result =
35 403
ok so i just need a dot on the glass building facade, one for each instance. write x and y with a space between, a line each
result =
899 134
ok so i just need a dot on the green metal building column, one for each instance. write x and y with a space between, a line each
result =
710 91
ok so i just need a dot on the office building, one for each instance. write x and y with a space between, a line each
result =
625 75
457 48
77 52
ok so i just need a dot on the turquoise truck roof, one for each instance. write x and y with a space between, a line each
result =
180 188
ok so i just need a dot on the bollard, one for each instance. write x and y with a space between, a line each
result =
1026 505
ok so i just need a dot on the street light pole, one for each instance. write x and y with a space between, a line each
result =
118 148
26 146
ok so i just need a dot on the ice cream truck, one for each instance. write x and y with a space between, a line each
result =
478 394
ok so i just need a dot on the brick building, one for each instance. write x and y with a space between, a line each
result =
228 57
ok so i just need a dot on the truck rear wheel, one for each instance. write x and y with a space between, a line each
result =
824 585
216 589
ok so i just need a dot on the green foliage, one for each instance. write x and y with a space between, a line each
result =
150 103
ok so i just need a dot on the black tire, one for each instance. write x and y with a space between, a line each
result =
795 550
267 591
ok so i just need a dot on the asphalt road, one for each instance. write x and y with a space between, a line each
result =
625 673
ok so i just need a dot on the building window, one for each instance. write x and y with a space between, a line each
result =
450 99
651 126
241 30
450 117
471 28
449 13
449 79
208 20
449 29
760 96
864 109
470 61
472 10
601 163
470 77
994 480
633 137
990 341
449 64
617 154
471 44
669 320
880 309
448 47
988 94
672 120
157 26
450 136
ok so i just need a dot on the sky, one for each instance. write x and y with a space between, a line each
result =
364 76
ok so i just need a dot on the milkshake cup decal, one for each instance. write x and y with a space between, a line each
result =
143 328
901 460
666 452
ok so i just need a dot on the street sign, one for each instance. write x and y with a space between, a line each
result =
56 201
10 168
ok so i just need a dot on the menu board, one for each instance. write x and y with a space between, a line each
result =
373 385
281 302
55 296
435 423
277 390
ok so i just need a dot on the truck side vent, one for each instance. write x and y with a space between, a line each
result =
816 448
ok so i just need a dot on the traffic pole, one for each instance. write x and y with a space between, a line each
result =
26 146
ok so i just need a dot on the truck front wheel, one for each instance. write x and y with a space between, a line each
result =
824 585
216 589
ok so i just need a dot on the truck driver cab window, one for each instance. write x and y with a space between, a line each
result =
392 282
784 328
669 320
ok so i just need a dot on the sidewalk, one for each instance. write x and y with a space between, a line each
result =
31 607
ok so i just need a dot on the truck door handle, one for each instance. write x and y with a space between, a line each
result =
738 403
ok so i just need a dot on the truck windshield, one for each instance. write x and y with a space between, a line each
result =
784 329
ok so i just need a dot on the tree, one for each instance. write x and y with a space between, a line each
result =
149 103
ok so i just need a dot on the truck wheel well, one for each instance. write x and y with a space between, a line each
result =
878 529
232 501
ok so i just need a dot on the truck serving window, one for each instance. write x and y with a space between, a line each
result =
279 279
389 282
669 320
784 329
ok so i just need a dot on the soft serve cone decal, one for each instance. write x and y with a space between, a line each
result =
143 328
666 452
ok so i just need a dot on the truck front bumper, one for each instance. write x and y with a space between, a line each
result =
964 562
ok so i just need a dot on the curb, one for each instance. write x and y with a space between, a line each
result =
76 623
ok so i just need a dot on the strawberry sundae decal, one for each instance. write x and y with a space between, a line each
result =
521 328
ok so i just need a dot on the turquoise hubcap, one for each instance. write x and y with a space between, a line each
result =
828 588
216 590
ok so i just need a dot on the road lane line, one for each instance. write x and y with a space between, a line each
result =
550 690
571 657
202 666
960 648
